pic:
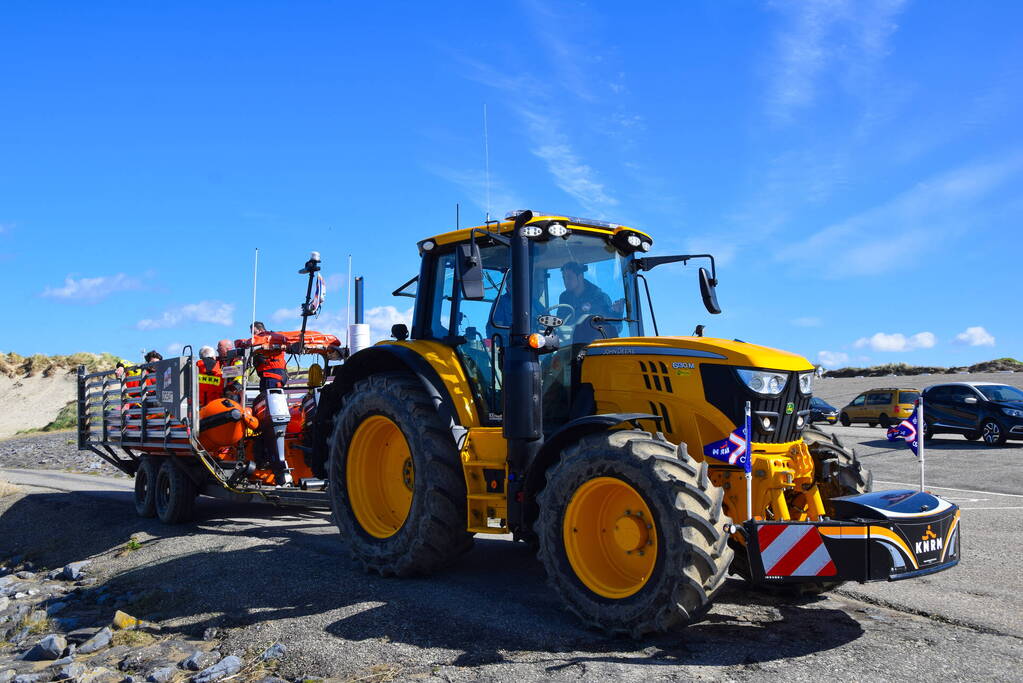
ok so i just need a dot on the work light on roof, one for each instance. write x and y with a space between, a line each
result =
557 230
531 231
428 245
634 241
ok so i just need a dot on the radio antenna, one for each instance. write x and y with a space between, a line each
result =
486 157
458 217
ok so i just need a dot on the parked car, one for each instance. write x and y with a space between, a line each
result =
976 410
883 407
822 411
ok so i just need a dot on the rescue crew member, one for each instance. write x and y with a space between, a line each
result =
271 365
211 378
228 358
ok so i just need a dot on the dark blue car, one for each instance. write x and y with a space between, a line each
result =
976 410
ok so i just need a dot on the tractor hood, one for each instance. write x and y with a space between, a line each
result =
725 351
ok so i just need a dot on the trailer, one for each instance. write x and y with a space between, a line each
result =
146 423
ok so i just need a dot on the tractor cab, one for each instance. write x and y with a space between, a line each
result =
578 283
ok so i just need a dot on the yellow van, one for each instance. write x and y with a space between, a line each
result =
883 407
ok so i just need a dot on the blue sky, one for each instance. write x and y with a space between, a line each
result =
857 167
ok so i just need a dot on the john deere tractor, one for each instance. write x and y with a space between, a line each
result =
512 406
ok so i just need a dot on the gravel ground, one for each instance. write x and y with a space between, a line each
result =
263 576
52 451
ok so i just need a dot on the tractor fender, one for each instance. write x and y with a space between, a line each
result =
567 434
388 358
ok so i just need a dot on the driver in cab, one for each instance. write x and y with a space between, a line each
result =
586 299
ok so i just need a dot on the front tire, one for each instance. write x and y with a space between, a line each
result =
844 419
992 433
396 486
175 493
885 421
632 533
145 486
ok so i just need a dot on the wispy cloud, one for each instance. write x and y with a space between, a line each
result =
569 171
832 359
216 312
474 186
897 341
886 236
851 36
91 290
975 336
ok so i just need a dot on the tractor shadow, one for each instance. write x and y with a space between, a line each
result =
237 566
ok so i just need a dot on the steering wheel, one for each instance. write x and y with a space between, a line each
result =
571 311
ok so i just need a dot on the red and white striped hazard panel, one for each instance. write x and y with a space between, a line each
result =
794 550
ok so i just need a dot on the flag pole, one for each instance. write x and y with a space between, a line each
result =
749 466
920 436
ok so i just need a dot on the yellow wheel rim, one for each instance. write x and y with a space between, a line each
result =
610 537
380 476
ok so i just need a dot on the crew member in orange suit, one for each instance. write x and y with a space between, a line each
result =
211 378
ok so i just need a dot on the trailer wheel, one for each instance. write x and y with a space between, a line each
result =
145 486
175 493
632 533
397 492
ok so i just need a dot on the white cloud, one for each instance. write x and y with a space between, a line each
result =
896 232
92 289
806 322
216 312
570 173
832 359
897 341
379 319
824 43
174 348
284 315
975 336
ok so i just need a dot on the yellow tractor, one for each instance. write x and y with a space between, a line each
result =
530 398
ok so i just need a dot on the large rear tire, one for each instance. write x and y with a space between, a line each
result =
632 533
396 486
175 493
145 486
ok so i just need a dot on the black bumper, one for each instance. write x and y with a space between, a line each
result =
874 546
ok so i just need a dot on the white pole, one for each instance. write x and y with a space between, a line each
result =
348 306
920 437
749 455
252 335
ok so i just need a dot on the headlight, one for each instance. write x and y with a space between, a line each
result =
1012 412
770 383
806 382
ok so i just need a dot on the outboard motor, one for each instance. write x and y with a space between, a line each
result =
278 416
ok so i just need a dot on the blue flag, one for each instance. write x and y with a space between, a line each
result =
908 430
735 449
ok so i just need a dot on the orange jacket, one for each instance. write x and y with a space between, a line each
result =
211 380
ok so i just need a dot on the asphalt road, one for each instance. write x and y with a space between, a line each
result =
284 576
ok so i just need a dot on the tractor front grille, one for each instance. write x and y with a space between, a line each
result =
725 391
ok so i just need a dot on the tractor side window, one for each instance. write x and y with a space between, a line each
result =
444 283
482 349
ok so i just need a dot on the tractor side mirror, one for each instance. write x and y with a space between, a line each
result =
470 272
707 291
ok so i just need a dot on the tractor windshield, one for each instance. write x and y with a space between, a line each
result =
588 284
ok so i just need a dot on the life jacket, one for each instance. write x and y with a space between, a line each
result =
211 380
